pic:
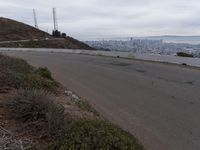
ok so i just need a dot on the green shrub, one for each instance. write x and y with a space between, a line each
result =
19 80
45 73
18 73
35 81
37 107
182 54
97 135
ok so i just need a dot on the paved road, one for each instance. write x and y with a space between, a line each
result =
159 103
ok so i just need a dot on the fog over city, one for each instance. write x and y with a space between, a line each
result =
91 19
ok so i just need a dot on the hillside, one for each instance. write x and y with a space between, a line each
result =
11 30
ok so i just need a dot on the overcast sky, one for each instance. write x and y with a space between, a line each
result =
91 19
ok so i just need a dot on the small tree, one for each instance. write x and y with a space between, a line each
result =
183 54
56 33
63 35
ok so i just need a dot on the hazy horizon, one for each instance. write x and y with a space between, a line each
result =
91 19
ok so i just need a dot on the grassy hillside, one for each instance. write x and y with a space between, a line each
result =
38 113
11 30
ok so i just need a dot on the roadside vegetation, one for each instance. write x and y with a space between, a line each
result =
65 43
37 113
97 135
183 54
17 73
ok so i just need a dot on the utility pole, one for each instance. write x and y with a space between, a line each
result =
35 19
55 20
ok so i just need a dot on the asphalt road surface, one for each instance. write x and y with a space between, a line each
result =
158 103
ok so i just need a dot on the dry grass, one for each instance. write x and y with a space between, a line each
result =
36 108
14 64
13 30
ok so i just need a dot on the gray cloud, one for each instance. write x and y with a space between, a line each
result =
87 19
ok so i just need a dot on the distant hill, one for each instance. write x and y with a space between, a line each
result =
11 30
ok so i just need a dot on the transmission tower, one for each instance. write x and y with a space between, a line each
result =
35 19
55 20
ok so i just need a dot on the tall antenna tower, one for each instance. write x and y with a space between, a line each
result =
35 19
55 20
